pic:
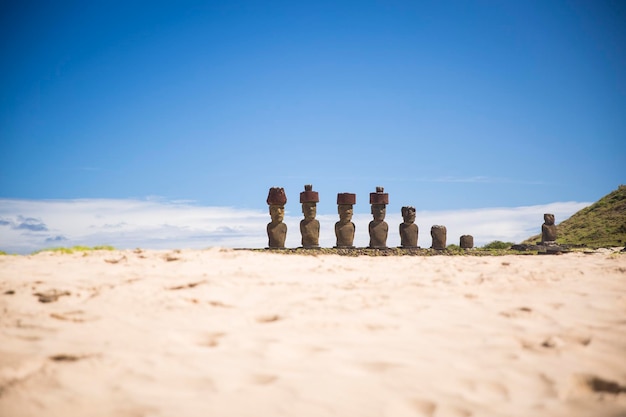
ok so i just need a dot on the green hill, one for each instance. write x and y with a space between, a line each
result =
602 224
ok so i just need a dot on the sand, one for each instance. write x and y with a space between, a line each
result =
221 332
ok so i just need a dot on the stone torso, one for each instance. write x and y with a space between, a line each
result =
276 232
310 230
548 233
345 234
378 234
408 235
438 233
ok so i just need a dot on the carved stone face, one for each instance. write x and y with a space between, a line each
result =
549 219
309 210
379 211
408 216
345 212
277 213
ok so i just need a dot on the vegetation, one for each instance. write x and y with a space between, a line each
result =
498 244
75 249
451 250
2 252
602 224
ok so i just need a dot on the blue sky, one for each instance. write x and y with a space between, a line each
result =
450 105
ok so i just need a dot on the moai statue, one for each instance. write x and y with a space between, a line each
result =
467 242
438 234
378 228
309 227
408 229
548 230
276 229
344 228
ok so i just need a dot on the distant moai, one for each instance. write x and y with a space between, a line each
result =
378 228
408 229
309 227
276 229
548 230
344 228
438 233
467 242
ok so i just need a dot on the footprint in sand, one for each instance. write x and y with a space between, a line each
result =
268 318
116 261
171 257
549 385
219 304
417 407
31 332
184 286
77 316
517 312
597 384
424 407
380 366
593 384
493 390
50 296
64 357
211 339
19 370
264 379
555 342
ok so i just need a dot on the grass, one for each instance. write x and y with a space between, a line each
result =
495 248
600 225
451 250
75 249
498 244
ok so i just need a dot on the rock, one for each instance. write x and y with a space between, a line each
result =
438 233
548 229
467 242
378 228
408 229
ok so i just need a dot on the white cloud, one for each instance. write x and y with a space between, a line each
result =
28 225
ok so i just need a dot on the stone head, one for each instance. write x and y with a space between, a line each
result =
408 214
309 200
277 213
548 219
309 210
379 211
345 212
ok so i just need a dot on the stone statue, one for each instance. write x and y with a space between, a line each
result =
408 229
467 242
438 233
548 230
276 229
344 228
309 227
378 228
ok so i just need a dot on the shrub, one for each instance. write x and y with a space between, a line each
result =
498 244
452 248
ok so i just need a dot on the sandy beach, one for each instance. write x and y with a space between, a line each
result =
222 332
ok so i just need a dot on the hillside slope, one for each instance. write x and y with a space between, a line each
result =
602 224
